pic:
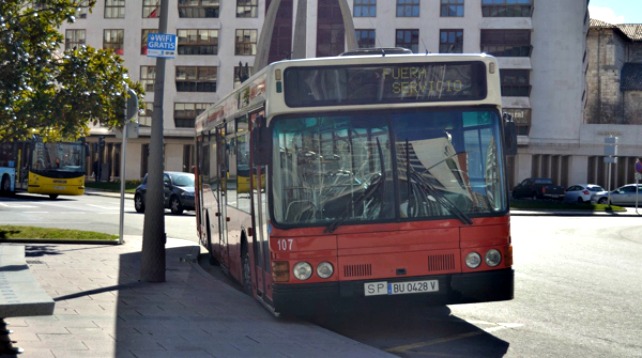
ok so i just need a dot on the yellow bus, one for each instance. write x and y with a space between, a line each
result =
48 168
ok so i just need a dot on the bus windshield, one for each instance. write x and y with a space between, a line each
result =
387 165
52 156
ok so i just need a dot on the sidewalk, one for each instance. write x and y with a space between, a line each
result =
102 310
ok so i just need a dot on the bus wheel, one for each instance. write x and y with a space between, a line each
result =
247 279
4 188
53 196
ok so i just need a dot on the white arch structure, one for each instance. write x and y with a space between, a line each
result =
299 35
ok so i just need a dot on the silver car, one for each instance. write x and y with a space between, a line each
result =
624 195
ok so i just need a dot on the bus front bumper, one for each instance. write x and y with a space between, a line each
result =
485 286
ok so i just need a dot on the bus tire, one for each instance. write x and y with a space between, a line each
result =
5 188
246 281
53 196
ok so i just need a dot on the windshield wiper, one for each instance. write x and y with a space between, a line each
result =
440 197
411 192
373 187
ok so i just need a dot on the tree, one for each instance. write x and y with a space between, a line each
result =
45 89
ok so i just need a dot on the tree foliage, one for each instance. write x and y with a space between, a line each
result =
55 92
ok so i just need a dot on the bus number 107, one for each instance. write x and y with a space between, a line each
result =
284 244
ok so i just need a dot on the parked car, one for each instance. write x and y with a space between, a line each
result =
538 188
624 195
581 193
179 192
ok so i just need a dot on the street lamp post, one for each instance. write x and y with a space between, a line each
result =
131 109
154 237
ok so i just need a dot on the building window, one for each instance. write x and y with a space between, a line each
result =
515 82
145 119
196 78
408 39
407 8
247 8
245 42
365 38
143 39
83 9
185 113
507 8
522 119
511 43
198 8
197 42
75 39
452 8
151 8
451 41
365 8
147 77
114 9
114 39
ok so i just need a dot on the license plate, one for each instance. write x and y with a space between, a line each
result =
59 188
400 288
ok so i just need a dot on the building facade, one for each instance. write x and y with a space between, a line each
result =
541 46
614 100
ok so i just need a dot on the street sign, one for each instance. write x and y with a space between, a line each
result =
161 45
132 105
610 146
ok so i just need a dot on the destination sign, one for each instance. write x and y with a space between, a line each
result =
386 83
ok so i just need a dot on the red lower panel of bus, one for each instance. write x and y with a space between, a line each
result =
416 262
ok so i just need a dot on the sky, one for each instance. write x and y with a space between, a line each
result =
617 11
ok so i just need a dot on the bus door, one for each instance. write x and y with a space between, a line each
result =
260 237
23 151
222 171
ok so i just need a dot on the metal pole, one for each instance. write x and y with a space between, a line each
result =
123 155
609 181
154 237
637 189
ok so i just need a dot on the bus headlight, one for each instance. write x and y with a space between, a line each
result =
302 271
473 260
493 257
325 270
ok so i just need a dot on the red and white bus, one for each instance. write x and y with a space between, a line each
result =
361 178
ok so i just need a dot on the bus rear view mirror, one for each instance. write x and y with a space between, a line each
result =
260 138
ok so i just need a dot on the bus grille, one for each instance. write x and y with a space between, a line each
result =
441 262
357 270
